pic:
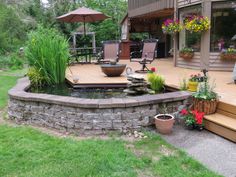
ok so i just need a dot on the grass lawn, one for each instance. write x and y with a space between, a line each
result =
6 82
28 152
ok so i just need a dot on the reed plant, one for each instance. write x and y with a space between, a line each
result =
47 52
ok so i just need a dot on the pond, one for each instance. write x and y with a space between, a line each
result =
90 93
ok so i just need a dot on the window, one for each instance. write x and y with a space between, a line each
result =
187 39
223 25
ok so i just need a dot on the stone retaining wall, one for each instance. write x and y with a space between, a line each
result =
88 115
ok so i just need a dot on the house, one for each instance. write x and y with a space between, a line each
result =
147 16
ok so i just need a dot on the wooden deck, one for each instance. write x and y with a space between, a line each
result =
90 74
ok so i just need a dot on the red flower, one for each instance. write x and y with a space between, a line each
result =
184 112
198 116
153 69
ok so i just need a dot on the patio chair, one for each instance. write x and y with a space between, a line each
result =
110 52
147 54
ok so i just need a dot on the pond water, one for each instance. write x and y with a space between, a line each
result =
90 93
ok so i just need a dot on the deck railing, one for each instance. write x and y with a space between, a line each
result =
139 7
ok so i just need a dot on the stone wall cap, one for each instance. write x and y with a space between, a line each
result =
19 92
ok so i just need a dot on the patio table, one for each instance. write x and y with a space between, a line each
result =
85 53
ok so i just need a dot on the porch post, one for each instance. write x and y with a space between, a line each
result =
205 38
175 40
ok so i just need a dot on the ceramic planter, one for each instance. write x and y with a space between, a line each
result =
186 56
164 125
192 86
206 106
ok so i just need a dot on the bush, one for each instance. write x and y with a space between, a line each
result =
12 61
156 82
47 51
36 78
12 30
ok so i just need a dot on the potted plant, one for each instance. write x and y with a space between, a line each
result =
229 54
171 26
156 82
193 119
205 99
196 23
186 53
193 82
164 122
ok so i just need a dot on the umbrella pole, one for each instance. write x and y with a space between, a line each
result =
84 27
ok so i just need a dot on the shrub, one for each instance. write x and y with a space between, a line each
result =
47 51
12 61
36 77
156 82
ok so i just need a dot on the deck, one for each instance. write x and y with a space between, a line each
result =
91 74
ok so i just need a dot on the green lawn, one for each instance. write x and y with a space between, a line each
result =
6 82
27 152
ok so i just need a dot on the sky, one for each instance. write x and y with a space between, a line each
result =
44 1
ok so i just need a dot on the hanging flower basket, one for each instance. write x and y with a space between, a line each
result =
206 106
171 26
197 24
229 54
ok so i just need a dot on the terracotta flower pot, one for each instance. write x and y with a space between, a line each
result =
164 123
186 56
206 106
192 86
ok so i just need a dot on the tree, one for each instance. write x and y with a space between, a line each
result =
12 30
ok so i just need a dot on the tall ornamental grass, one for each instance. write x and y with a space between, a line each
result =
47 52
156 82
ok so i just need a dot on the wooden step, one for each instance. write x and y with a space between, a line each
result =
222 125
226 109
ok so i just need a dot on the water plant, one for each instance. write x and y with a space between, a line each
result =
156 82
47 52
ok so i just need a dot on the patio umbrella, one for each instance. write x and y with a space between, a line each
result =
84 15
